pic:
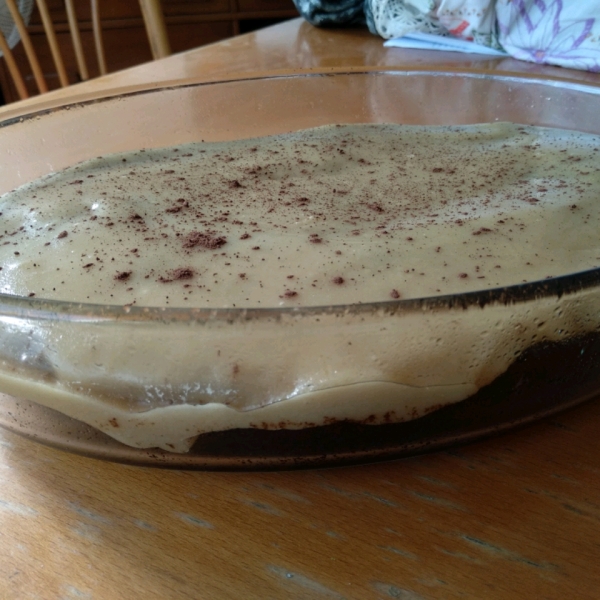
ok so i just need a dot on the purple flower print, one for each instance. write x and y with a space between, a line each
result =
551 31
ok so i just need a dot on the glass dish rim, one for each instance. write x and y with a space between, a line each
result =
47 309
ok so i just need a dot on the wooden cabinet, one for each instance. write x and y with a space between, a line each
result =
190 23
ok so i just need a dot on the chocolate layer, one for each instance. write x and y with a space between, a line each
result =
545 378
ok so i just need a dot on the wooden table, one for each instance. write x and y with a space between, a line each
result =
510 517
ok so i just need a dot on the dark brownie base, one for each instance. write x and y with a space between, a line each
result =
546 378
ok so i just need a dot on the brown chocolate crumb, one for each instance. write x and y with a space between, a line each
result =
395 294
245 236
208 240
235 184
31 294
255 247
289 294
62 234
114 422
123 275
242 275
463 275
182 273
437 170
314 238
338 280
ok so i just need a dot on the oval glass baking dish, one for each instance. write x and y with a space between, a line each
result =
514 354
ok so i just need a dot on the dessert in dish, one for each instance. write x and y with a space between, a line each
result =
340 215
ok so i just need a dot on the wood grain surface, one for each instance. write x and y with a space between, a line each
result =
292 46
517 516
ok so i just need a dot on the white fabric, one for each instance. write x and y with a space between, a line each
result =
466 19
473 20
427 41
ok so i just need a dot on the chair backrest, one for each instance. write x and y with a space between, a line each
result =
153 21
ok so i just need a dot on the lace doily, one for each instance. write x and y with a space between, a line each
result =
395 18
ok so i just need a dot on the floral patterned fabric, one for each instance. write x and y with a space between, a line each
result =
557 32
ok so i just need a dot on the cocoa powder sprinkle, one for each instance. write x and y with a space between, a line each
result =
207 239
177 275
189 222
182 273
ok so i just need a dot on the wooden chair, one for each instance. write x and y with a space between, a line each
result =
153 21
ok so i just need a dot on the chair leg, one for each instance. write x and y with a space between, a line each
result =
28 46
13 68
155 28
76 38
98 37
53 43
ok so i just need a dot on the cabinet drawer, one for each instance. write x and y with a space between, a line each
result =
265 5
